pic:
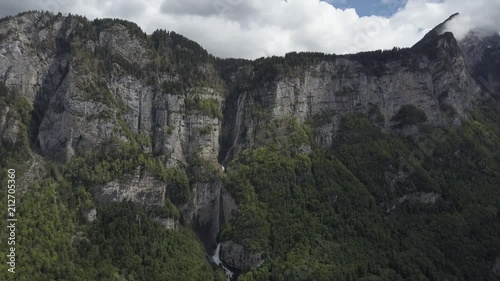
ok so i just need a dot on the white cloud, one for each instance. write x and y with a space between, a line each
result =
254 28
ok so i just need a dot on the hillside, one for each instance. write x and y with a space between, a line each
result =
138 155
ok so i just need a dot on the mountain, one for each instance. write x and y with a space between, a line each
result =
481 49
138 155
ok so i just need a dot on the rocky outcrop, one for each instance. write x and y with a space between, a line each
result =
34 173
423 198
235 256
27 51
420 197
181 132
205 211
142 189
9 127
80 109
168 223
89 215
481 49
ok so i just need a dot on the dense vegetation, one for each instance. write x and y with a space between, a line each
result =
324 215
409 115
335 215
54 242
317 213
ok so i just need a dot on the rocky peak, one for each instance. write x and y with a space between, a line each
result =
432 36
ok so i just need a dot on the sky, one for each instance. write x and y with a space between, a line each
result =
369 7
257 28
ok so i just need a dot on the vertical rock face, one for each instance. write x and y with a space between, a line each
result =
89 82
9 127
481 49
204 211
23 66
142 189
80 109
237 257
434 78
180 132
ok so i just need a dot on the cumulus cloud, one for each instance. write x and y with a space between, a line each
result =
255 28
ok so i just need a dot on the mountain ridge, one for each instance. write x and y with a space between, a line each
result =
156 120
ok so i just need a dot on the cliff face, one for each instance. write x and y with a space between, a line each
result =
481 49
87 86
435 78
89 82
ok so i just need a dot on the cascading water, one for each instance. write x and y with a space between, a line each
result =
237 123
239 113
218 262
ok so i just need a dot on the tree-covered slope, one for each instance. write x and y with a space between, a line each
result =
343 215
137 155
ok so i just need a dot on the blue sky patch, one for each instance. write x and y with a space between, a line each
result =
385 8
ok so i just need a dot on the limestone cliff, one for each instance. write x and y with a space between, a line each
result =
89 82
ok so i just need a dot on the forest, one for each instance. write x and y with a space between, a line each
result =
352 211
317 216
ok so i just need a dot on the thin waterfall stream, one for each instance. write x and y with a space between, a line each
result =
237 123
218 262
239 113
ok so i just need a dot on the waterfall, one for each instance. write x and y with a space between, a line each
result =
218 262
239 113
237 123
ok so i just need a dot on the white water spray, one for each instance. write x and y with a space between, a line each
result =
218 262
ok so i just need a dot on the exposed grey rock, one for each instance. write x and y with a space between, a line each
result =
235 256
89 214
168 223
476 43
27 51
204 212
142 189
482 51
424 198
9 127
36 171
335 87
420 197
124 44
74 121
